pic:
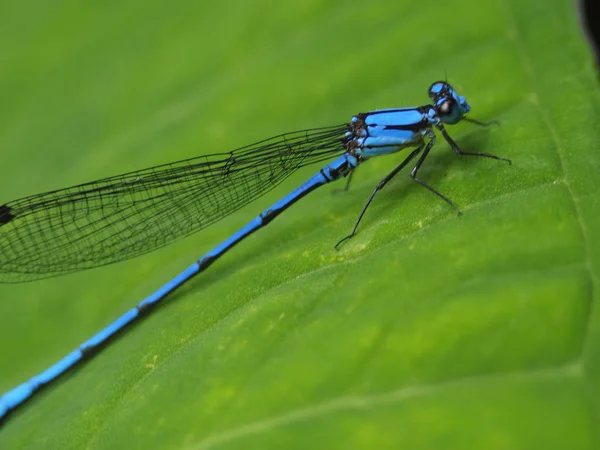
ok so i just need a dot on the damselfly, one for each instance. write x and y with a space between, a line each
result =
124 216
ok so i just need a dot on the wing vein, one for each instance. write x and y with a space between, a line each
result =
120 217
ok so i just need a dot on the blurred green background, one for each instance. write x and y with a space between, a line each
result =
426 331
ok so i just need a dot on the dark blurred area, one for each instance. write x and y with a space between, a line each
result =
590 15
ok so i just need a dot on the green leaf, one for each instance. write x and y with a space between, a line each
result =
426 330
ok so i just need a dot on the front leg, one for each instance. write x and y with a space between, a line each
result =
458 151
480 123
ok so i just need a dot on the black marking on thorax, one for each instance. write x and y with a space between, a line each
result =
417 126
414 127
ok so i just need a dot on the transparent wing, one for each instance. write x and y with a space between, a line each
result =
120 217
